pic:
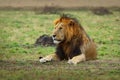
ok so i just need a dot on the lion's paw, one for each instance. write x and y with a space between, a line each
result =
71 62
43 60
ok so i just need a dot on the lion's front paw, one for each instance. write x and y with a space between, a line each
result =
42 60
71 62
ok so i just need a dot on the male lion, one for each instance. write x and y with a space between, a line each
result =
73 44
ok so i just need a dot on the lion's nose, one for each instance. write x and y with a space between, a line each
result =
54 35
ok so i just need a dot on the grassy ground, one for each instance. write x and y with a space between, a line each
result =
19 58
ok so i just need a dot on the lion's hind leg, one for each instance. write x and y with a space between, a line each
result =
48 58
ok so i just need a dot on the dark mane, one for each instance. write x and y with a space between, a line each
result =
73 46
74 50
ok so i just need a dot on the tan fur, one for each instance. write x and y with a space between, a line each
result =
49 58
77 59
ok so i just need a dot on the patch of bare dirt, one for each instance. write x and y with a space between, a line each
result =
44 40
65 3
88 65
38 4
101 11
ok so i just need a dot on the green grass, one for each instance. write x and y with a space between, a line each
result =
58 75
19 59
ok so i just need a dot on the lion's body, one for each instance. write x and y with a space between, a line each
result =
73 44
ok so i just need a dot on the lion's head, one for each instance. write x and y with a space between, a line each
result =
65 29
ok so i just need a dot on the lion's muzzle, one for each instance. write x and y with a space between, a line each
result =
56 41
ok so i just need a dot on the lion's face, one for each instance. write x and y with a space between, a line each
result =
63 31
59 33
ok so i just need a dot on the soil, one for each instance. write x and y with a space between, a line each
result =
38 4
98 7
44 40
113 64
101 11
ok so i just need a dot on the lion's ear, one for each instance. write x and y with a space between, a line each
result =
56 21
72 23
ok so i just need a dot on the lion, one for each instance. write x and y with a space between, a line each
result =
73 43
